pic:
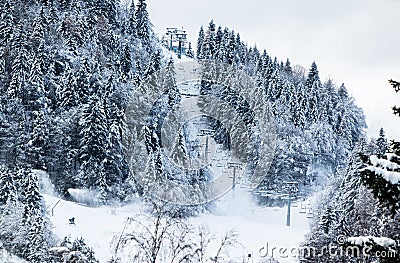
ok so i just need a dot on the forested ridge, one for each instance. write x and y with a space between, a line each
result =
67 72
318 122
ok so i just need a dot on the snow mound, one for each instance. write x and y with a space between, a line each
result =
59 250
381 241
5 256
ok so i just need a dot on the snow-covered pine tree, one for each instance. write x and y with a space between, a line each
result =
36 106
7 187
88 253
286 95
154 65
298 106
332 96
253 57
125 64
382 143
137 78
37 240
93 131
51 81
104 184
351 121
208 48
115 167
200 41
52 15
67 95
10 225
169 80
63 160
240 51
30 195
219 44
83 88
260 69
228 47
355 203
78 251
20 70
13 136
313 86
179 152
268 70
108 8
274 86
130 26
6 23
328 218
37 34
288 68
143 24
97 85
33 96
38 141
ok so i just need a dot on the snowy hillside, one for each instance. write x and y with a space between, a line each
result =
255 226
113 148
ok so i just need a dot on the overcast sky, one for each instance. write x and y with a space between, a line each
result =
356 42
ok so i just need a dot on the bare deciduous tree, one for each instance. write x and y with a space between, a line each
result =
163 235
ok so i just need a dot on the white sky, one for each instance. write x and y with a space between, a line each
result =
356 42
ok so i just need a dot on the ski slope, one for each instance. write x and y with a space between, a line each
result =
256 227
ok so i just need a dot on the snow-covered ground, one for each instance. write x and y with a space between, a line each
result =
169 54
97 226
259 229
6 257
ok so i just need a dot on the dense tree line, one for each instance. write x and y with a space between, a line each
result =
362 203
66 71
318 123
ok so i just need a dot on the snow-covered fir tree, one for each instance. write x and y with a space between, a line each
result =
94 141
382 143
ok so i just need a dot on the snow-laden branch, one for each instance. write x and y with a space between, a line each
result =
381 241
392 177
384 167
